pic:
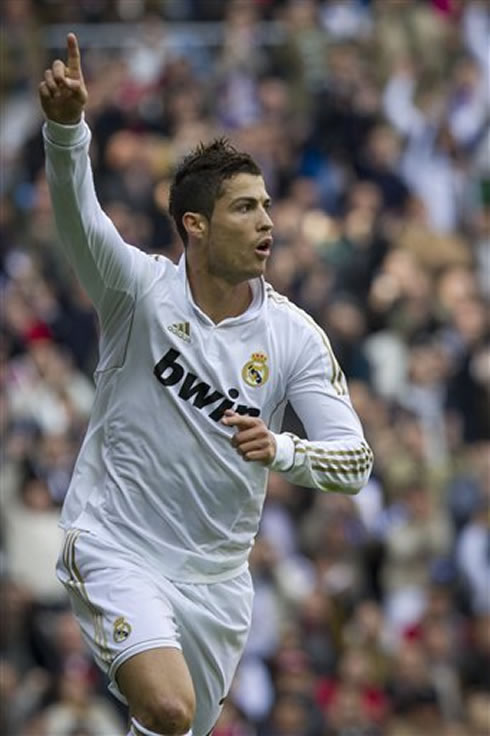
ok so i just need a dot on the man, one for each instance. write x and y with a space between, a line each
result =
196 365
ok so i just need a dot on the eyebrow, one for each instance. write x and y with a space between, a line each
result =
250 200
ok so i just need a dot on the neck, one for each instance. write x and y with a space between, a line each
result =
215 296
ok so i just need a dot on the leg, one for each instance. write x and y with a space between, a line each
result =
159 690
128 615
128 621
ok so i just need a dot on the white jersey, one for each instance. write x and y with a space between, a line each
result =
157 474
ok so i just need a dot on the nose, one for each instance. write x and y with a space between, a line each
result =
265 222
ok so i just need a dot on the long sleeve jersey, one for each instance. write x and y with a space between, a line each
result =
156 473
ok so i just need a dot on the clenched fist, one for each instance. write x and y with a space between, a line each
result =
252 439
63 93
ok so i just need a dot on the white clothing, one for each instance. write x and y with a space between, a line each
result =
137 729
156 473
32 542
124 610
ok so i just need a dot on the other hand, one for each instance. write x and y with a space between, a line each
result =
63 93
252 439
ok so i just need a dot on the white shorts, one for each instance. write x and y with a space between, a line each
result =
123 609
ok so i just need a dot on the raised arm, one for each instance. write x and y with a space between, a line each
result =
103 262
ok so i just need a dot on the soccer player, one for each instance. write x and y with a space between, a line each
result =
197 362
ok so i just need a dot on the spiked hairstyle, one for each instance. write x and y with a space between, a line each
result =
198 180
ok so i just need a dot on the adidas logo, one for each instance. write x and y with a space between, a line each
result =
182 330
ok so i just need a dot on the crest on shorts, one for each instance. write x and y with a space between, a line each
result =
122 629
256 372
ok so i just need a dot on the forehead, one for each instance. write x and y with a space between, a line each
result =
243 185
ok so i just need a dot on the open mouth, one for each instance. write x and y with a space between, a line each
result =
264 248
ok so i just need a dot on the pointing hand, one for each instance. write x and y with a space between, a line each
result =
63 93
252 440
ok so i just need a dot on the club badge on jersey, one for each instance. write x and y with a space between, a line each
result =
256 371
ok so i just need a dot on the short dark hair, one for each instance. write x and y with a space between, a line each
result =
198 179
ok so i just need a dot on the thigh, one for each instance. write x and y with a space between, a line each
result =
120 609
154 679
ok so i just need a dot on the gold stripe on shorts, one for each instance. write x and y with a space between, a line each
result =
77 584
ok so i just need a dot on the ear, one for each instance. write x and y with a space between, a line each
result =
195 224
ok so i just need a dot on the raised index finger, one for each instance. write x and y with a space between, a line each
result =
74 63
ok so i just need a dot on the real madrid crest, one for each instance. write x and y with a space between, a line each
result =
256 372
122 629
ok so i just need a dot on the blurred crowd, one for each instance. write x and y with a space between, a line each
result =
370 120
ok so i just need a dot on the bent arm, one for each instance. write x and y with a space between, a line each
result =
335 456
103 262
340 461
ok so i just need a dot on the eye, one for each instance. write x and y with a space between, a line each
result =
245 207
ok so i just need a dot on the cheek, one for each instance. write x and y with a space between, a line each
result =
222 254
229 244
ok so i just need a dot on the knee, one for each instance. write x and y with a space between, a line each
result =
172 717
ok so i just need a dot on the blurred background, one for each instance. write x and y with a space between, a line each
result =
370 120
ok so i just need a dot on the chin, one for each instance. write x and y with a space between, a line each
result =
251 273
236 277
256 273
259 268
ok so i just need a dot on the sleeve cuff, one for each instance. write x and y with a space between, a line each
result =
65 135
284 459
